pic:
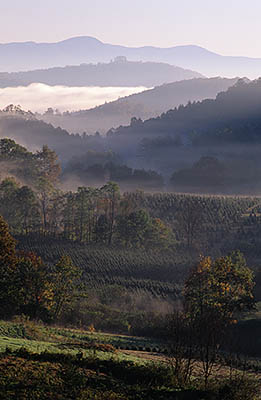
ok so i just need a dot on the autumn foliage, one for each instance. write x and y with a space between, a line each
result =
223 287
215 293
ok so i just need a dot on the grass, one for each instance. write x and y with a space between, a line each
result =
118 341
68 364
27 376
48 362
38 339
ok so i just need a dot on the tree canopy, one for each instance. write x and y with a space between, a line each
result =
223 287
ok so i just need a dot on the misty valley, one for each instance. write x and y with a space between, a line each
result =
130 223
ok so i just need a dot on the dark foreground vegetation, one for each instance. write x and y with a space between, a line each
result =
83 365
45 376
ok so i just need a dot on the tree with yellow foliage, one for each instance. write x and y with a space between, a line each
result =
223 287
215 293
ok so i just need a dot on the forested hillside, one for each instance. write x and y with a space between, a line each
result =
27 130
150 103
218 139
210 117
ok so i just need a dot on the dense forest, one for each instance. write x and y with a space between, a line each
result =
208 118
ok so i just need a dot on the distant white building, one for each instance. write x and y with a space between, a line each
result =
120 60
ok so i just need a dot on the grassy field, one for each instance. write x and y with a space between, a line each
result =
39 338
47 362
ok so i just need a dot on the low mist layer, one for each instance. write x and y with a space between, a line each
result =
38 97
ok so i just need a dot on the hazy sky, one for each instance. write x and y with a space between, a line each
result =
229 27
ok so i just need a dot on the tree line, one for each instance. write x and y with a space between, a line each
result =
90 215
31 201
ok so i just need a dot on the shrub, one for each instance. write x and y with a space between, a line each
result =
241 388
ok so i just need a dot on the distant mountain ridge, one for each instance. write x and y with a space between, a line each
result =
119 72
30 55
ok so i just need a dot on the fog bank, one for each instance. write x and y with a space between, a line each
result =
37 97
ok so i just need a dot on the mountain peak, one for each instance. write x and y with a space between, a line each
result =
79 39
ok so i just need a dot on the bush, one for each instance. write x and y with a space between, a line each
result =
244 388
237 388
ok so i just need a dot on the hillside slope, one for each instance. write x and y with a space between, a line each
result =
240 104
114 73
145 105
